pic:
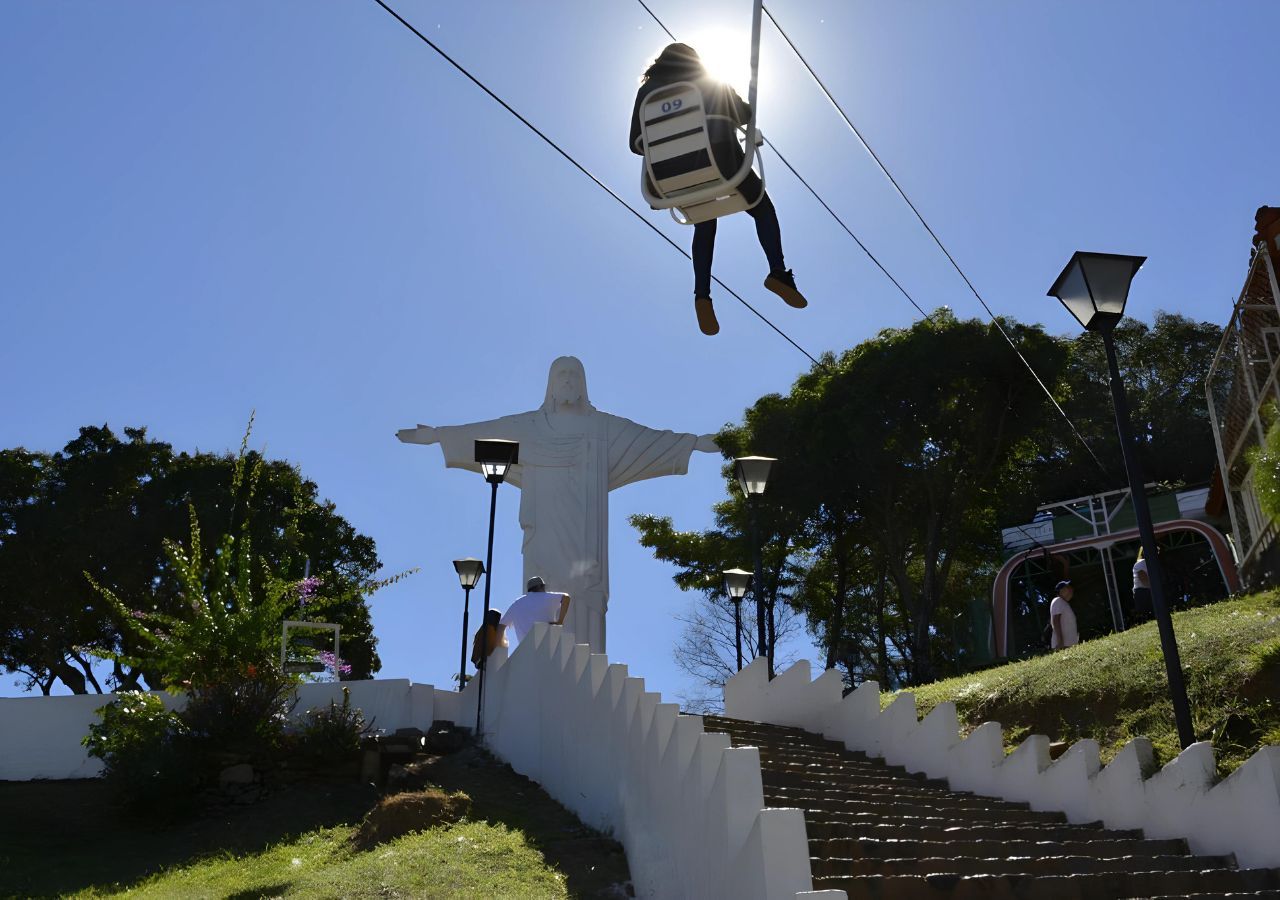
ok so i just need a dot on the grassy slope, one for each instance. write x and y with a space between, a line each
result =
1114 688
65 838
469 859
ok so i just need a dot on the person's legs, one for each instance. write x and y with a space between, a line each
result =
769 233
780 279
704 245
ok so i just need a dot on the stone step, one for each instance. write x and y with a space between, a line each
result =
1015 865
831 750
819 793
800 778
834 751
925 819
829 829
794 737
723 723
1268 894
786 757
890 811
873 848
840 767
756 736
1096 886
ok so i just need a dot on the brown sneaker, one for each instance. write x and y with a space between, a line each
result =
784 285
706 315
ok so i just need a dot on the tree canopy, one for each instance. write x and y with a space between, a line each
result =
105 504
900 458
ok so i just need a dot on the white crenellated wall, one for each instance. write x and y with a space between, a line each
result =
40 736
688 808
1239 815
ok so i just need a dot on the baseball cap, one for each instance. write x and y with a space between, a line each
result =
1061 584
535 582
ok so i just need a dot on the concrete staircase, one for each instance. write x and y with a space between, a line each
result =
877 831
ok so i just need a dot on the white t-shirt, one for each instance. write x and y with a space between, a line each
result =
1070 636
538 606
1139 566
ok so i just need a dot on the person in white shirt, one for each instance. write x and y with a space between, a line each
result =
1063 618
538 605
1141 591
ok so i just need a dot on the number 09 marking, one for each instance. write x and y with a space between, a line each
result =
672 105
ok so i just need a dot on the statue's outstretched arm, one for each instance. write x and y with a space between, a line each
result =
706 443
423 434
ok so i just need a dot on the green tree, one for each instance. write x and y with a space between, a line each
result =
1165 366
105 504
937 421
894 457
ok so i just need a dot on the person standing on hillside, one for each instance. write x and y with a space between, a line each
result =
538 605
1063 618
1141 591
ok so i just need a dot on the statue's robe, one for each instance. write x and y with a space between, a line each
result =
568 464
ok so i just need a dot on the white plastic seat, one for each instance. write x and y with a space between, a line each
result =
680 171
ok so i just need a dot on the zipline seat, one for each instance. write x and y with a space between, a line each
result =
680 171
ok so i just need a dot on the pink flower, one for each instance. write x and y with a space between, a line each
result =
334 664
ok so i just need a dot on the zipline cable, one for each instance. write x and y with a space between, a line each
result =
885 169
577 165
800 178
945 252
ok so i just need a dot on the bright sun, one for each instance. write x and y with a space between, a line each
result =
726 54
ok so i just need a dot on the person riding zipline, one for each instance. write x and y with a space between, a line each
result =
680 62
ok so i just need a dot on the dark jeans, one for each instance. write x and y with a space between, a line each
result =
1142 611
704 243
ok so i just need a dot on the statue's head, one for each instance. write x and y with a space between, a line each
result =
567 385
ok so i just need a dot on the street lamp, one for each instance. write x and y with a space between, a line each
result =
753 476
495 459
735 585
1094 288
469 570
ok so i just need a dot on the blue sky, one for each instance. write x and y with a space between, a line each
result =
296 207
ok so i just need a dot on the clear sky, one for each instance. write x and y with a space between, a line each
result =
296 207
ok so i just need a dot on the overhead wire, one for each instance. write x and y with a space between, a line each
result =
995 320
839 221
581 168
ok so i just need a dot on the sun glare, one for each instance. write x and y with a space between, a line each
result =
726 54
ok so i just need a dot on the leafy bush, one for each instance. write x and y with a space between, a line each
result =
222 651
333 734
1265 458
146 750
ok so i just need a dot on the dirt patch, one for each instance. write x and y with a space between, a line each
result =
411 811
594 865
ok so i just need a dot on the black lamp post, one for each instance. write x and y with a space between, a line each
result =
736 582
469 570
1094 288
753 476
495 459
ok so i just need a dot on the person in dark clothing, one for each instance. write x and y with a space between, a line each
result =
680 62
490 636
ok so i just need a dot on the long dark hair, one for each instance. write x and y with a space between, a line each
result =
676 60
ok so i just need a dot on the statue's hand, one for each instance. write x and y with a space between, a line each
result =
707 444
423 434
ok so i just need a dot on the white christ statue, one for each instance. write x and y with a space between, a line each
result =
571 456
